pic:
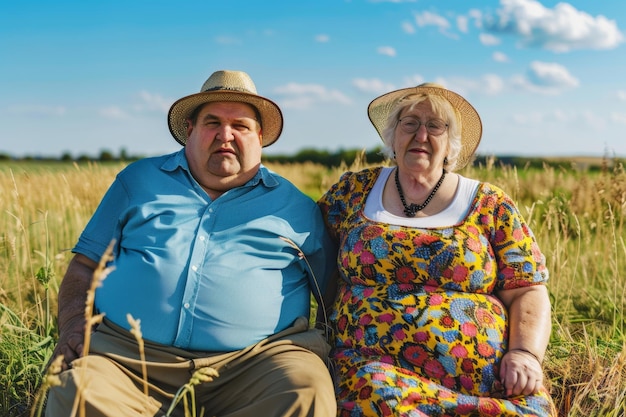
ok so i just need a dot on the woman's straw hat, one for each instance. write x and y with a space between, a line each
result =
227 86
471 126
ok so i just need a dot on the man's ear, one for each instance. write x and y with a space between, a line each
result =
188 126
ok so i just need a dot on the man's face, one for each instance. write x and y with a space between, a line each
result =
224 145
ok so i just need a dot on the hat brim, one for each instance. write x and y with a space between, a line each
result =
471 125
271 115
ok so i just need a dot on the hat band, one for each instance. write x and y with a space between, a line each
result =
243 90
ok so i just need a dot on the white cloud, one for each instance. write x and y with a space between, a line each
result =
153 102
592 120
407 27
560 116
462 23
302 96
488 40
322 38
386 50
551 75
489 84
577 119
619 118
373 85
560 29
546 78
113 112
621 95
528 118
147 103
227 40
413 81
556 117
36 110
500 57
431 19
477 16
492 84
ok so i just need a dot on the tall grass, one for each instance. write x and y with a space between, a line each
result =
42 211
578 219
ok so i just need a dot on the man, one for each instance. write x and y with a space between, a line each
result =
216 257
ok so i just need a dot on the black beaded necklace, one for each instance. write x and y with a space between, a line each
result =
411 209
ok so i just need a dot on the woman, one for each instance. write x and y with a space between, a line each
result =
441 307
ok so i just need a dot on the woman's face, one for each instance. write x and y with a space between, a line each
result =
425 149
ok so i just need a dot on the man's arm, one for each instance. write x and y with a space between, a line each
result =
71 313
323 307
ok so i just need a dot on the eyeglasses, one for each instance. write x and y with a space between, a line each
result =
410 124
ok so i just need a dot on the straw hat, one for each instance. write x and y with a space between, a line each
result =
471 126
226 86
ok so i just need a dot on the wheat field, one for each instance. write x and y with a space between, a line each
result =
577 216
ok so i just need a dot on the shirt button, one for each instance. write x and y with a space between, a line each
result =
186 305
194 268
202 238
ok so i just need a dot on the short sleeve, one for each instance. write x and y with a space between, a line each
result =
520 261
103 227
333 206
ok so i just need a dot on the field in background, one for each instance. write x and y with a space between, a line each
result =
577 215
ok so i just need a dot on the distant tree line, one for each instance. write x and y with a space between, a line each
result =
348 156
322 157
327 158
103 156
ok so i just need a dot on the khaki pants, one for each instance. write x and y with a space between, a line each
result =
279 376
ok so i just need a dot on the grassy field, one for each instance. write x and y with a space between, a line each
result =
578 218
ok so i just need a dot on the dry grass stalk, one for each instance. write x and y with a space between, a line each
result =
605 385
100 273
187 391
51 379
135 330
52 375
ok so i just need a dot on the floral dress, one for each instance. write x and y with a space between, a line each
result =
417 328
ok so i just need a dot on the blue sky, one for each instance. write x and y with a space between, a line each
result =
548 78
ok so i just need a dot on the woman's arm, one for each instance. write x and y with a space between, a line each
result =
529 333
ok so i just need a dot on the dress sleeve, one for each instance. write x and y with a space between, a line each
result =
520 262
333 204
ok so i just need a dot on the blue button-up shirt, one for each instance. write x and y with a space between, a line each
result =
202 274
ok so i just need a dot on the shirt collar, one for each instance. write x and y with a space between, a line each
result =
175 160
179 160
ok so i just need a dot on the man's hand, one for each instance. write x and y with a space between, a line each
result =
71 317
70 343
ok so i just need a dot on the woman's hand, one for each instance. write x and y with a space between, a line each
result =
521 373
529 333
